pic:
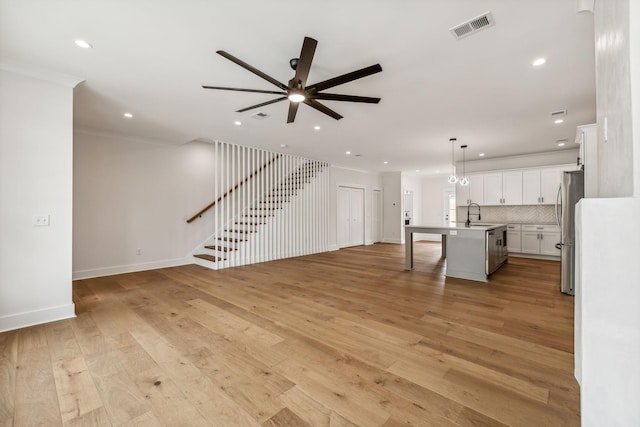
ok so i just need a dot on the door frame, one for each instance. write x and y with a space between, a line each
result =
380 215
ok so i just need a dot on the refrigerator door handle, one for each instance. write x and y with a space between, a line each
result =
558 204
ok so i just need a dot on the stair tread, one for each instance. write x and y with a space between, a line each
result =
221 248
209 257
231 239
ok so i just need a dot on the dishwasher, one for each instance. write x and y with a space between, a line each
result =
496 250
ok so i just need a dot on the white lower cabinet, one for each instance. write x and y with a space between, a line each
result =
540 239
514 238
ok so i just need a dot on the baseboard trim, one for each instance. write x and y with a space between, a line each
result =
131 268
396 241
534 256
37 317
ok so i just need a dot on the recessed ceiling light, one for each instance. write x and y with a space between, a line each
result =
283 145
83 44
538 62
386 163
558 121
347 152
316 127
560 144
481 154
417 170
437 171
128 115
237 123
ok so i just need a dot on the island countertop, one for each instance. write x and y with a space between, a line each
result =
473 256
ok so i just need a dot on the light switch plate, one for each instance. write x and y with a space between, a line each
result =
41 220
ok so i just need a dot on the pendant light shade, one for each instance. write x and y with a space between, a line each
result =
464 180
453 178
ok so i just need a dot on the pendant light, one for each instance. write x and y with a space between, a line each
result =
453 178
464 180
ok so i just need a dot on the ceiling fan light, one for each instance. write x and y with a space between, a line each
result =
296 97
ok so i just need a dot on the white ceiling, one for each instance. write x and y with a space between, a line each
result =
150 58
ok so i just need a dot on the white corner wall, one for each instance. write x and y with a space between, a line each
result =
607 331
352 178
36 178
131 195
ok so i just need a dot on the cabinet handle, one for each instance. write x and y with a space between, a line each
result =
541 199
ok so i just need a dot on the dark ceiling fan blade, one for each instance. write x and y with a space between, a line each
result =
273 101
322 108
293 110
252 69
243 90
345 78
304 62
349 98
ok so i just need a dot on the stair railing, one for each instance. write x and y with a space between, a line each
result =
237 186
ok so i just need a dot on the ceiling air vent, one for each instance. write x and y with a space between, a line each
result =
260 116
472 26
559 113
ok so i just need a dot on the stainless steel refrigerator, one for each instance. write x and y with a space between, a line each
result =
570 192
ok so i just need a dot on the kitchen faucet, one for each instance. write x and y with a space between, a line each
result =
468 221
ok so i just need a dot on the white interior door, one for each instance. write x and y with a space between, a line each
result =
376 216
449 207
350 216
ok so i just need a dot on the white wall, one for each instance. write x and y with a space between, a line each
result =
607 293
36 143
131 195
392 207
357 179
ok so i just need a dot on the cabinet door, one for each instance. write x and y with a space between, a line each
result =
512 188
530 242
549 184
531 187
514 241
548 243
476 189
492 189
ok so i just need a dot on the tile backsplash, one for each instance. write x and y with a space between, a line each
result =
528 214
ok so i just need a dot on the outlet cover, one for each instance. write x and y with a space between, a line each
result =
41 220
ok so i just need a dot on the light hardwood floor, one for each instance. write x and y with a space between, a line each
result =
337 339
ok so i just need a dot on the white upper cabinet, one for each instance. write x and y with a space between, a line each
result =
503 188
472 193
540 186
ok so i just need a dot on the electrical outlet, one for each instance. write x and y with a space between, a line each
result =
41 220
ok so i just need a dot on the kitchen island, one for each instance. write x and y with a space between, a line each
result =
472 252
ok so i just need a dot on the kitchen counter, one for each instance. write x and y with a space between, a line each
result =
472 253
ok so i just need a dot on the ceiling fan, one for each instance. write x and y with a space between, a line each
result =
297 90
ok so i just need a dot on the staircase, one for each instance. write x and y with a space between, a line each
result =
281 211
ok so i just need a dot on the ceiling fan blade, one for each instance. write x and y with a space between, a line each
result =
243 90
350 98
293 110
252 69
273 101
322 108
345 78
304 62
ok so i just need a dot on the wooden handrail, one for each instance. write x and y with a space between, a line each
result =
212 204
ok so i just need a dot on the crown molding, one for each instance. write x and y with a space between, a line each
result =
41 73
